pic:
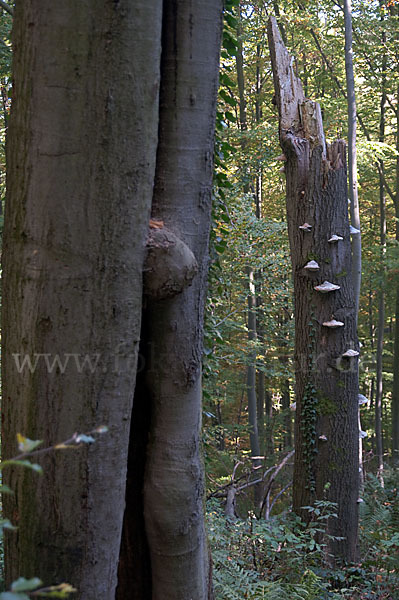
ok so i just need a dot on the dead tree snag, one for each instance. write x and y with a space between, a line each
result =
326 430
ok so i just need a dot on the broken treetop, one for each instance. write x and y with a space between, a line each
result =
298 115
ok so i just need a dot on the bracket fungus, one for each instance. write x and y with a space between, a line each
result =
353 230
363 399
333 324
335 238
326 287
323 438
350 353
362 434
359 500
312 265
305 227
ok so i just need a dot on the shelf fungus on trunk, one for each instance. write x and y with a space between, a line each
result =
335 238
312 265
326 287
353 230
305 227
363 399
333 324
350 353
323 438
170 266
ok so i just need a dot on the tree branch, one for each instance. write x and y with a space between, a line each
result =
273 477
7 8
359 118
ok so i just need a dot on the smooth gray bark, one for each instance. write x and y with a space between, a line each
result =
352 155
173 479
251 371
326 429
381 292
81 160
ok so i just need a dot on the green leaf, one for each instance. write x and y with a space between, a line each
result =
56 591
13 596
6 524
227 98
25 585
22 463
229 116
226 80
26 445
4 489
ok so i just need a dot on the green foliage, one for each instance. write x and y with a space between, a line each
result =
379 525
33 590
21 588
283 558
268 559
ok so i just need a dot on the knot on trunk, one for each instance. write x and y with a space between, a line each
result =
169 267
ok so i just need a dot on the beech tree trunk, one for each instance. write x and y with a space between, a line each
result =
326 431
172 479
81 161
92 145
395 390
381 292
352 155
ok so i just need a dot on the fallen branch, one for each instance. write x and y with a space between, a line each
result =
273 477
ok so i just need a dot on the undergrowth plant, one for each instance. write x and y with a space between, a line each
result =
21 588
284 559
274 559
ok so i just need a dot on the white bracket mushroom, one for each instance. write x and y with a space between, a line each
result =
312 265
333 324
326 287
363 399
350 353
305 227
353 230
335 238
